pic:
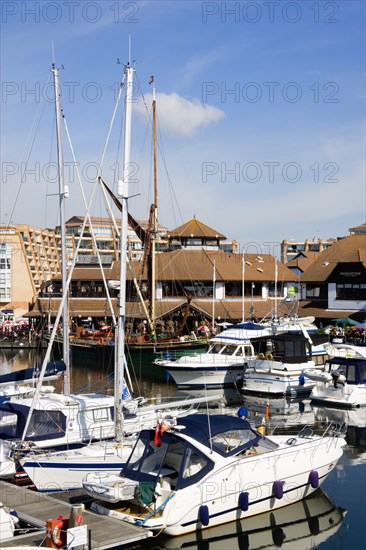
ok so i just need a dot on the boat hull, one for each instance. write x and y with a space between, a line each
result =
64 472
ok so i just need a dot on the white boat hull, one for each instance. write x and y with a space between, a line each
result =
349 396
264 377
221 490
65 471
204 371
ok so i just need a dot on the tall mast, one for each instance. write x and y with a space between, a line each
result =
63 194
154 225
243 287
275 292
123 186
213 293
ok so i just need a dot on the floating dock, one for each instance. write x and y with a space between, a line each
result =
36 508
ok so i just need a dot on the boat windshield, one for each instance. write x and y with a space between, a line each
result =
234 441
223 349
354 373
171 458
216 348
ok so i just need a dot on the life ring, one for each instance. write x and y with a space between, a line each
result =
260 355
269 356
147 337
56 534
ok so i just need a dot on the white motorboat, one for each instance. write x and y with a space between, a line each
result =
221 365
342 382
279 364
209 470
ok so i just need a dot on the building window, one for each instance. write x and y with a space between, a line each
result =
349 291
5 272
312 291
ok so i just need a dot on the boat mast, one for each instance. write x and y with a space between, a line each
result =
63 194
275 291
123 186
154 226
213 293
242 287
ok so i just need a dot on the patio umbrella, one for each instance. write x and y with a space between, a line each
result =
344 321
361 325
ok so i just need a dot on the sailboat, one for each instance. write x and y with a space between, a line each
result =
59 471
51 420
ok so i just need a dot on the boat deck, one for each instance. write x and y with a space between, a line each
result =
36 508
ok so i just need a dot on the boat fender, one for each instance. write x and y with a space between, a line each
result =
277 489
301 379
244 501
242 412
301 407
278 536
314 526
314 479
204 515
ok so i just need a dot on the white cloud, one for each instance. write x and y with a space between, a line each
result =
180 116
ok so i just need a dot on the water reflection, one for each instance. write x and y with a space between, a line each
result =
305 524
354 419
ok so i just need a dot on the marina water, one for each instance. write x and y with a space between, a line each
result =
334 518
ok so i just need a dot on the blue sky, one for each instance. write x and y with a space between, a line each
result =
261 109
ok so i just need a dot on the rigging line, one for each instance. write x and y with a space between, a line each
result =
99 174
37 115
161 150
90 223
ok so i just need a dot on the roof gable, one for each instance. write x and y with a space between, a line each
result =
196 228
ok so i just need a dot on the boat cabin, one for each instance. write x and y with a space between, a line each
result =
58 419
174 462
285 348
352 369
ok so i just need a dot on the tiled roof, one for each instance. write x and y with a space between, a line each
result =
303 260
319 310
347 250
186 265
195 228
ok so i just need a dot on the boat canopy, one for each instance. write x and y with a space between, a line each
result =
354 369
210 430
44 424
53 369
288 347
248 326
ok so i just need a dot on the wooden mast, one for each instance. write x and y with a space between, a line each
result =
154 227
